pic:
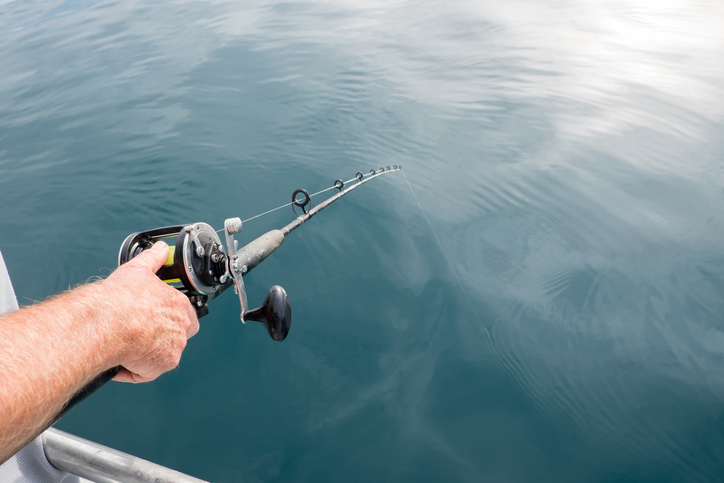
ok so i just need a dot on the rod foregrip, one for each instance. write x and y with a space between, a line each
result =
255 252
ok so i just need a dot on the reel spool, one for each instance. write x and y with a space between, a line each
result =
199 266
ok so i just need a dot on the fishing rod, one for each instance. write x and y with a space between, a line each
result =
202 268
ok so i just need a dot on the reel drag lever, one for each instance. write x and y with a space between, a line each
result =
276 311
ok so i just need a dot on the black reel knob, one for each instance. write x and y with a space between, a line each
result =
275 313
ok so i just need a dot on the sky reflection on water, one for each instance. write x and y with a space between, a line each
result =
567 154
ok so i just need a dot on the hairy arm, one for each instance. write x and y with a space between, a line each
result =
51 350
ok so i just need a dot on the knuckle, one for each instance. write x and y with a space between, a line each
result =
181 344
175 360
181 298
178 344
172 363
193 328
168 362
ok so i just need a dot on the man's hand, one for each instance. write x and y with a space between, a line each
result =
156 319
51 350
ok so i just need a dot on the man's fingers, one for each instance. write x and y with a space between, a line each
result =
153 258
161 330
124 375
193 328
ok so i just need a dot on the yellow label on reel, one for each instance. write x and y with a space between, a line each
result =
169 262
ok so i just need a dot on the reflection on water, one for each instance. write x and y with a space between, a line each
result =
568 155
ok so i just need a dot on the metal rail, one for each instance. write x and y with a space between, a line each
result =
102 464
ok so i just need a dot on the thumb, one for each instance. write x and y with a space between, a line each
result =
153 258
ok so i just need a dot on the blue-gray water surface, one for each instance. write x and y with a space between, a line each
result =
560 318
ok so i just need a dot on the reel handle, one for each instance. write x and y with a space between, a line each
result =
275 313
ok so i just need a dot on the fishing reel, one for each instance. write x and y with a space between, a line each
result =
202 268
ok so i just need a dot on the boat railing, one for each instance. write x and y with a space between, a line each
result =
102 464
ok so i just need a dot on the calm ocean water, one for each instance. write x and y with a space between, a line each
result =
569 155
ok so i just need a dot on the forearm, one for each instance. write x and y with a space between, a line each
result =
48 352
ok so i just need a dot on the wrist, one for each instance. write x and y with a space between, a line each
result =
97 320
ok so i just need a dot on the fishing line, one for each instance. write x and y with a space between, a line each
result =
452 268
358 178
290 203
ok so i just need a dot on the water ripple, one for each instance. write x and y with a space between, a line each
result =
568 155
